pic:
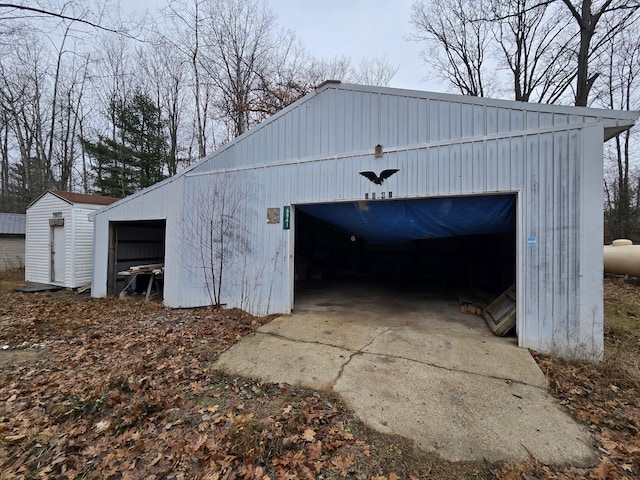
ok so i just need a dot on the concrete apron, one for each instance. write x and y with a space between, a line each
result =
415 366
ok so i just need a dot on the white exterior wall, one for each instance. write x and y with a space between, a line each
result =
162 201
81 246
78 233
559 278
443 145
11 252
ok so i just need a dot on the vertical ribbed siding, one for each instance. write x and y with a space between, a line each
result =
544 168
442 145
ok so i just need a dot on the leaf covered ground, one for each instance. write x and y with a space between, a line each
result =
119 389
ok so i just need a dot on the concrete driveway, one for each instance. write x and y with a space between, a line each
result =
411 364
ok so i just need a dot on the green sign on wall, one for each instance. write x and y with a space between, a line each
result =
286 220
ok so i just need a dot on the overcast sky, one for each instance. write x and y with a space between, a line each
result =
355 28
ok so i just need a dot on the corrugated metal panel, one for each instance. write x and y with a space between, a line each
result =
12 223
38 237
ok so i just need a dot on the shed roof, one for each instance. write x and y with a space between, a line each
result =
12 223
73 198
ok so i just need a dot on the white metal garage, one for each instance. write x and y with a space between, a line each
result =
231 218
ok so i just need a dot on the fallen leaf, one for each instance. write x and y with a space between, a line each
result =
309 435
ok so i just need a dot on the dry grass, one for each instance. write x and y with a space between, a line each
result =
621 365
10 279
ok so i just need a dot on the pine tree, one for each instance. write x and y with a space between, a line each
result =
136 157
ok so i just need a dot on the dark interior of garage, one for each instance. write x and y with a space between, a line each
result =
133 244
326 252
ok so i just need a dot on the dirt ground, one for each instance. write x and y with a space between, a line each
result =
109 388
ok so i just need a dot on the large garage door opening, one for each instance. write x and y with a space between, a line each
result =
137 247
441 245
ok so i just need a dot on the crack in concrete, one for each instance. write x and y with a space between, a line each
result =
310 342
353 353
456 370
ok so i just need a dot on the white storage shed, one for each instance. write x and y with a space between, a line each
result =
59 238
359 182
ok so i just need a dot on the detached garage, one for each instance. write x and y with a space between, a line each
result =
369 184
59 238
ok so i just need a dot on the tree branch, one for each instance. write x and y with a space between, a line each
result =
64 17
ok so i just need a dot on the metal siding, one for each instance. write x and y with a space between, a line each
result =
410 123
491 119
13 223
491 166
423 120
444 119
517 120
479 123
455 116
504 120
590 288
467 121
532 120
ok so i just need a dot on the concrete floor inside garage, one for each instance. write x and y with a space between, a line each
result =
410 363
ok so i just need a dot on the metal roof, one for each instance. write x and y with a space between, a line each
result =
12 223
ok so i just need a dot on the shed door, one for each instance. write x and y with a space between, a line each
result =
57 253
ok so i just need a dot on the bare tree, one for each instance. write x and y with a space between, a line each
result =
336 68
240 43
457 38
544 52
184 23
218 243
285 77
166 73
622 190
26 101
590 16
535 43
375 71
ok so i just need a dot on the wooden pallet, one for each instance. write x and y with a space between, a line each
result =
500 315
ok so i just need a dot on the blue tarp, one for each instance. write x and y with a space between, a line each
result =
399 221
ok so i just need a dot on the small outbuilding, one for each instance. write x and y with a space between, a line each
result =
370 184
12 232
59 238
